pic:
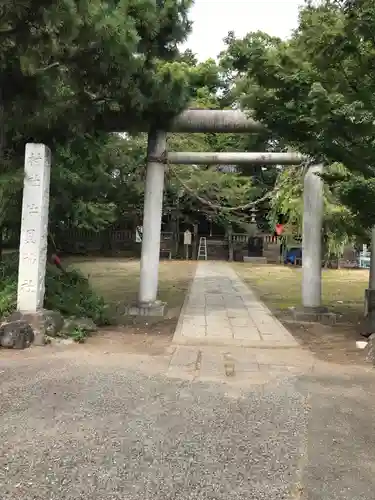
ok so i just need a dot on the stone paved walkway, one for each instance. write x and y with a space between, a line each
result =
221 310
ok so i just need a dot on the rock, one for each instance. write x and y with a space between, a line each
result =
66 341
43 322
370 349
16 334
86 324
56 341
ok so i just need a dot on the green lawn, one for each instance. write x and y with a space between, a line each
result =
117 280
280 287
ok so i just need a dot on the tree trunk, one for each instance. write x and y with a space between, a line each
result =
1 242
106 242
2 151
2 125
176 234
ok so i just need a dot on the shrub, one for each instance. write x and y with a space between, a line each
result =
69 293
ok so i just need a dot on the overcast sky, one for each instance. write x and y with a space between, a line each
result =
214 18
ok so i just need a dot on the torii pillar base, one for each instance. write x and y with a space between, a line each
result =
313 315
155 309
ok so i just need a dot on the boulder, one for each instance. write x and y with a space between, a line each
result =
86 324
16 334
43 322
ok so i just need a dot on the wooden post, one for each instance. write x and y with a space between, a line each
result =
195 242
230 243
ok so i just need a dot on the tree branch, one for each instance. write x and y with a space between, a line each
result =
50 66
215 207
8 31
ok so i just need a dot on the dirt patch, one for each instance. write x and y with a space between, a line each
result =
109 341
132 340
336 344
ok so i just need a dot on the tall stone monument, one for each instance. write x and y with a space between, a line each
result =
34 229
31 322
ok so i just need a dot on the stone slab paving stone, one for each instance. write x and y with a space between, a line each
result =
234 364
270 329
219 332
218 319
184 363
227 364
211 364
237 313
255 307
242 321
195 320
216 312
245 360
184 356
243 332
193 332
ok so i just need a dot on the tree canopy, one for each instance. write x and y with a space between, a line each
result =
315 92
71 67
71 72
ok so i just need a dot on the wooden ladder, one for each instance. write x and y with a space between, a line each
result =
202 249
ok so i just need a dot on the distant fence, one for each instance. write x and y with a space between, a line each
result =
114 239
243 238
79 241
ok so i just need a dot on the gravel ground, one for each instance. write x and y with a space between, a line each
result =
89 431
83 428
340 462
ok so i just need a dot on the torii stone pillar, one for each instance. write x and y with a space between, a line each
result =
152 216
313 209
369 326
312 238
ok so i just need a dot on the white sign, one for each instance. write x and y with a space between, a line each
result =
138 234
187 237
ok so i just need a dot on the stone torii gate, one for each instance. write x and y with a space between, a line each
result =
35 206
200 120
